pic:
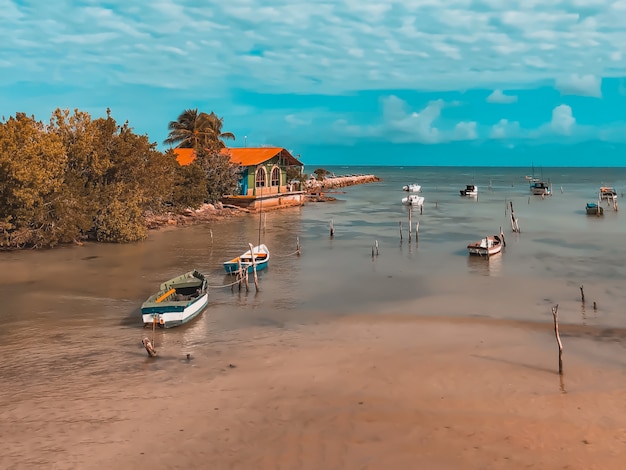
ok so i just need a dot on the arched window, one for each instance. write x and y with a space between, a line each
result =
260 178
275 176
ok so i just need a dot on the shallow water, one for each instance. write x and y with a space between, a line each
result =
62 308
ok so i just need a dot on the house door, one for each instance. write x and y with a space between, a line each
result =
243 183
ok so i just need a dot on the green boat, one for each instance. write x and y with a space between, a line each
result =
178 301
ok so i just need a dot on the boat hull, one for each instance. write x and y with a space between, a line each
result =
594 209
413 200
488 246
261 260
412 188
178 301
172 314
232 267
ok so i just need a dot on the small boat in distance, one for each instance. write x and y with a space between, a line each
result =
470 190
413 200
261 259
594 209
607 193
487 246
178 300
540 188
412 188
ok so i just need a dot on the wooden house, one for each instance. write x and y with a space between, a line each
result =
263 176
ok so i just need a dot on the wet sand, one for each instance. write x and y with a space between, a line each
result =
363 392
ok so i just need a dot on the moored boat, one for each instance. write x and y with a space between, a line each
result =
540 188
607 193
470 190
413 200
593 208
178 300
247 261
412 188
488 246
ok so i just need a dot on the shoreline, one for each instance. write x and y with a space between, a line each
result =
358 392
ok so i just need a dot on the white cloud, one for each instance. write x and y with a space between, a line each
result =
584 85
562 120
497 96
505 130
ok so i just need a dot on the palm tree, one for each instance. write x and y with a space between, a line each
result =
197 130
217 136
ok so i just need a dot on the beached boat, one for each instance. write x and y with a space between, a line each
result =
470 190
413 200
412 188
178 300
607 193
540 188
487 246
261 259
594 209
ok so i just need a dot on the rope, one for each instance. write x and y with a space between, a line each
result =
225 285
284 256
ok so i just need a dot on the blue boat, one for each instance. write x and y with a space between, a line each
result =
594 209
247 261
178 300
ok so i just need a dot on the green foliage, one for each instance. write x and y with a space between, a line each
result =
320 174
79 178
198 131
221 175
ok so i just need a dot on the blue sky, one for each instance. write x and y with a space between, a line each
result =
424 82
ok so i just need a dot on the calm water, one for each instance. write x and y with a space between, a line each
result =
63 308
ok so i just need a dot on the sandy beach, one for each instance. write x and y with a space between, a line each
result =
356 393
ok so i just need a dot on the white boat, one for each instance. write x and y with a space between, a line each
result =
413 200
260 261
412 188
607 193
540 188
178 300
470 190
487 246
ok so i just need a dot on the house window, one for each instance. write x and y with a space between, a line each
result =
275 176
260 178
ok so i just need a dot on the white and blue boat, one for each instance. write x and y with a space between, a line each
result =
178 300
247 261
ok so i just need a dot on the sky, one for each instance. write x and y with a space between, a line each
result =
345 82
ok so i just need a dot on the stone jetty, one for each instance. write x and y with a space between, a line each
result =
339 182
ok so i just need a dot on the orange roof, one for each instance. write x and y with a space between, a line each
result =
246 156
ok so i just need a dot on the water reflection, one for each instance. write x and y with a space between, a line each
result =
491 266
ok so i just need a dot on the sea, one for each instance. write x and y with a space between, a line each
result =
74 311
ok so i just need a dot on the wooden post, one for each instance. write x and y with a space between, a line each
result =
211 233
417 227
256 280
332 229
502 238
582 294
149 348
400 223
410 223
298 246
555 313
376 247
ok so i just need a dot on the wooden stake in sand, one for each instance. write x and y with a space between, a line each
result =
146 342
298 251
555 313
256 279
400 230
332 229
582 295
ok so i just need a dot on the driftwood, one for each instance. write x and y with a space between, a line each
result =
582 294
149 348
555 313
